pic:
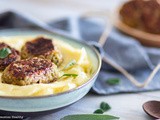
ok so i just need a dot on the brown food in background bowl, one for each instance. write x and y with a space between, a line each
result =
142 14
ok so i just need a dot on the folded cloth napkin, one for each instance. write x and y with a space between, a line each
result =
123 49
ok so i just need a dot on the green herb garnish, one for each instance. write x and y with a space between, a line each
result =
70 64
89 117
98 111
105 106
4 52
113 81
69 75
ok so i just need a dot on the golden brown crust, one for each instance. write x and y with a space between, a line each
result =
15 55
39 46
29 71
43 48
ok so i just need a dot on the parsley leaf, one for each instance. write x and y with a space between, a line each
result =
4 52
90 117
98 111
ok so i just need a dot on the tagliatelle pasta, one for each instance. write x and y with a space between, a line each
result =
82 68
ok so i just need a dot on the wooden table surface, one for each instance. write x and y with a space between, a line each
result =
126 106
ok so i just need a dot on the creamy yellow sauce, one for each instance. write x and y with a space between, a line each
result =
83 68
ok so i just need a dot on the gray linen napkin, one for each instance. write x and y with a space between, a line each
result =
125 50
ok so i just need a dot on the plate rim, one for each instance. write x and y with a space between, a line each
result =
63 37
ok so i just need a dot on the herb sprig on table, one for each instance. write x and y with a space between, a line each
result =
98 114
103 108
98 111
89 117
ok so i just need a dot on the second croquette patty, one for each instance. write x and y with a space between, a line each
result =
13 56
43 48
29 71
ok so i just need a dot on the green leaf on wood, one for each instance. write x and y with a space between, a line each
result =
105 106
90 117
98 111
